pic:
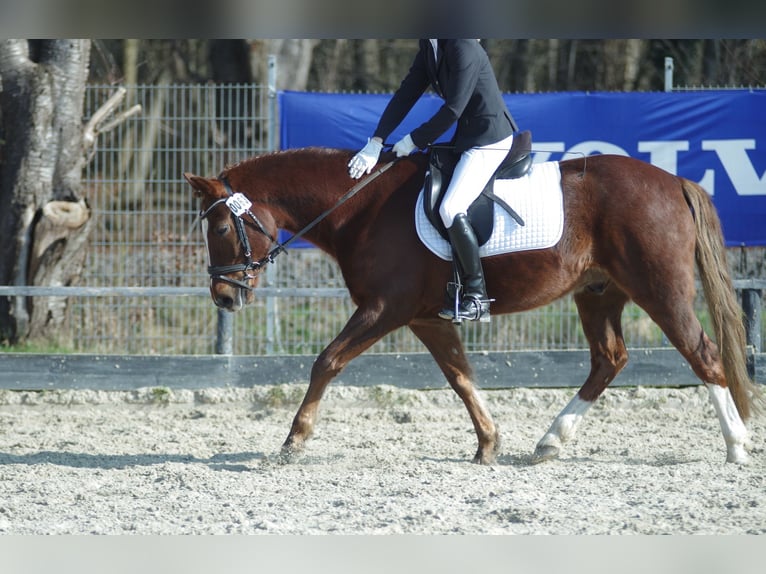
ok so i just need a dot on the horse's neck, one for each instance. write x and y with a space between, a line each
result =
298 186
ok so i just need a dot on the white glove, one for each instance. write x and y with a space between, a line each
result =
365 160
404 146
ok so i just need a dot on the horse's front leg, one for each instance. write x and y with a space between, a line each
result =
443 341
365 327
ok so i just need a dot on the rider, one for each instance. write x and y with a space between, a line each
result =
459 71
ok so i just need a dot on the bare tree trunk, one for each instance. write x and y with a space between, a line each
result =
711 51
571 65
395 60
294 59
633 52
130 73
553 63
734 54
141 165
130 65
535 55
230 64
42 102
330 78
610 63
518 63
369 54
361 65
230 61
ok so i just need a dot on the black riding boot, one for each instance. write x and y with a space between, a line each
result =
474 303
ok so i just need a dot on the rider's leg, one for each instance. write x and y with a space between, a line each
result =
474 304
472 172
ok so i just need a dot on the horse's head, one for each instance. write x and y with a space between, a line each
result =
238 241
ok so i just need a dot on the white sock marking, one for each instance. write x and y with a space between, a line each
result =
732 427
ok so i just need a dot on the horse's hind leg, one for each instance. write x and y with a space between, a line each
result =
682 328
600 313
734 431
442 340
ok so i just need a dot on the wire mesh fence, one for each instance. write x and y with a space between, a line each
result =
144 211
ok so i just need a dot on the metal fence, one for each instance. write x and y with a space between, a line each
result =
144 210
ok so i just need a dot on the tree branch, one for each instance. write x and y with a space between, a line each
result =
14 57
94 127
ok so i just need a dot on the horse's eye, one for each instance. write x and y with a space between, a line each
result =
222 229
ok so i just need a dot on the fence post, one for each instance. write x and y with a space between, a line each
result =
271 302
751 305
668 74
224 336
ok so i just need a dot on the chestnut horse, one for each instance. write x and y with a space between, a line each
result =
632 232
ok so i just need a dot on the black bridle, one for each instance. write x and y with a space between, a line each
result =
239 206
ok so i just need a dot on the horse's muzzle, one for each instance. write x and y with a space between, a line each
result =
230 297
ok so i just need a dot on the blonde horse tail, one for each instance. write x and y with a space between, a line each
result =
726 314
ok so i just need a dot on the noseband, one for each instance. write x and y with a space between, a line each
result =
239 206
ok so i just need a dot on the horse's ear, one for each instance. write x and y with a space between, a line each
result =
201 185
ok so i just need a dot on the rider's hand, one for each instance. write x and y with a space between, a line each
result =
365 160
404 146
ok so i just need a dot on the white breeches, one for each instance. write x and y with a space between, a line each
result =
472 172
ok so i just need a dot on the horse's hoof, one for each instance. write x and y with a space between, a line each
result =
289 453
487 453
285 456
288 456
484 459
545 452
737 455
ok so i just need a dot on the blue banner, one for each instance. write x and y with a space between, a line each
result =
716 138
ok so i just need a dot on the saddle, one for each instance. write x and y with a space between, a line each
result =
442 163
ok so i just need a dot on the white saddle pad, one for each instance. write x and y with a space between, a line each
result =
536 197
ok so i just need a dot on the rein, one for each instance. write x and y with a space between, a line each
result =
239 206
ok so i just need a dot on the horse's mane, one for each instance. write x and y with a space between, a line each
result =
284 155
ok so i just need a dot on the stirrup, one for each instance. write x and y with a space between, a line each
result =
473 308
470 308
